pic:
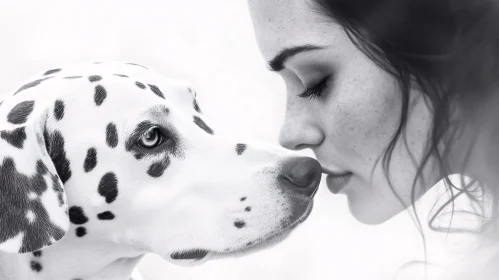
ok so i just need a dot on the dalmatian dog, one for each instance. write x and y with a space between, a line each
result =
101 163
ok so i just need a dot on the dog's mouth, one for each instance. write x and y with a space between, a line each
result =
198 255
194 254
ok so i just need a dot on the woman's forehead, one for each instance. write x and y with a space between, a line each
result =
280 24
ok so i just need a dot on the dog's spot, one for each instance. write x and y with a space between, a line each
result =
108 215
37 253
31 84
36 266
72 77
249 244
51 71
112 135
140 85
15 137
77 215
199 122
80 231
247 209
94 78
20 113
139 156
158 168
41 168
56 186
156 91
58 155
108 187
90 160
240 148
121 75
100 95
59 110
243 198
196 106
15 188
239 224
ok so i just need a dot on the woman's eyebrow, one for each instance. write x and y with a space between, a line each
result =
277 63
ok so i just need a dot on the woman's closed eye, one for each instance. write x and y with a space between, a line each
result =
316 90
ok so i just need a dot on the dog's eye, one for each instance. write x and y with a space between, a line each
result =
151 138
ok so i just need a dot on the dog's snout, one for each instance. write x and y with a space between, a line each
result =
301 174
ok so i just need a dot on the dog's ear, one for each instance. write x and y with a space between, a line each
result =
33 207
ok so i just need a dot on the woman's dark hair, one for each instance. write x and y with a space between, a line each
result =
449 49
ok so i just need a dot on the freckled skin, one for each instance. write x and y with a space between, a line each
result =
350 125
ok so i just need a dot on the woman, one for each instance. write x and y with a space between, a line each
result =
391 95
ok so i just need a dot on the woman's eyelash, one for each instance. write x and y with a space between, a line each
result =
316 90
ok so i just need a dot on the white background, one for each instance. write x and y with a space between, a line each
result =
210 44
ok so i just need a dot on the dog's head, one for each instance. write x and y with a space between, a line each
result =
117 153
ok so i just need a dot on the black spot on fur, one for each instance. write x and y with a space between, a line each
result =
158 168
247 209
243 198
239 224
77 215
199 122
140 85
72 77
156 91
100 95
108 215
90 160
249 243
57 187
240 148
121 75
15 137
94 78
31 84
59 110
135 64
36 266
81 231
139 156
37 253
196 106
112 135
55 146
51 72
108 187
15 188
20 113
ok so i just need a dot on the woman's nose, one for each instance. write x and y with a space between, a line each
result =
300 132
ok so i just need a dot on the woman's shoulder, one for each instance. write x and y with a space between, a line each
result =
479 264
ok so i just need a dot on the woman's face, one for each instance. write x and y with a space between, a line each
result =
343 107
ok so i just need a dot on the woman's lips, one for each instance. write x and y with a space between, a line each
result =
335 183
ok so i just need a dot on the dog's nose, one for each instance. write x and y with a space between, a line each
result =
301 174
